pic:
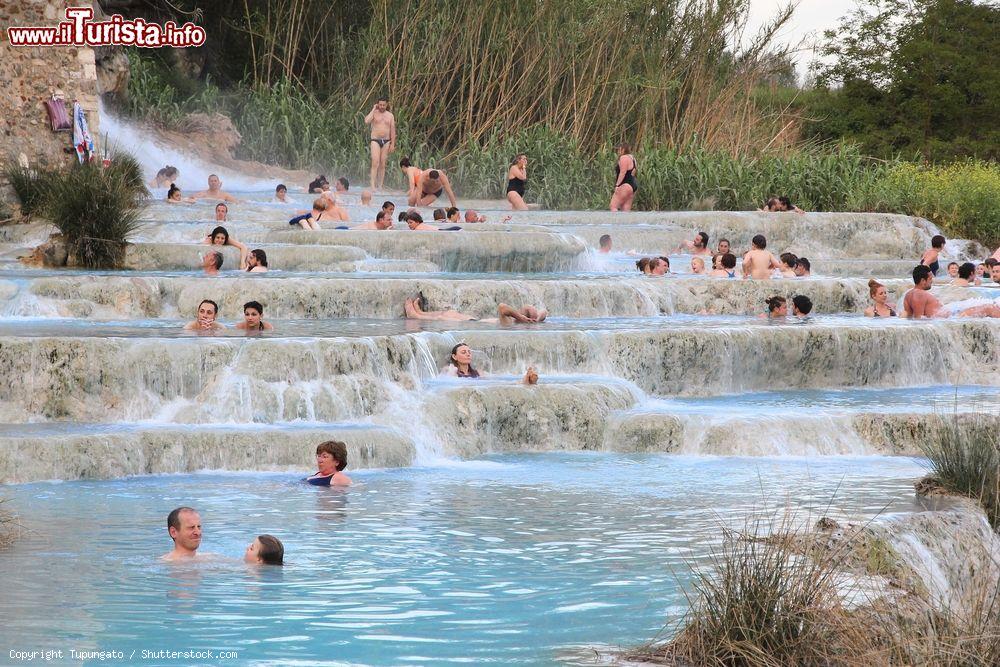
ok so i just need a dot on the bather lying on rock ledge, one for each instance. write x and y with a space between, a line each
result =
505 314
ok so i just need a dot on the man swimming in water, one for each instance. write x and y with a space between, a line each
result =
382 140
919 303
208 310
758 263
698 246
184 528
605 244
383 221
214 191
505 314
221 212
212 263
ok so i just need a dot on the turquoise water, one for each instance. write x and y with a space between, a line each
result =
509 560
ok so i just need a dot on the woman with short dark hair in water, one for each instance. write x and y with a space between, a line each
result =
257 261
331 459
517 179
265 550
220 236
625 183
252 314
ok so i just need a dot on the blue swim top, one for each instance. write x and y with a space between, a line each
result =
320 480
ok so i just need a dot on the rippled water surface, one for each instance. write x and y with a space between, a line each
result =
515 559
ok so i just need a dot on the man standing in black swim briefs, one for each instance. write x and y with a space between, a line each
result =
382 141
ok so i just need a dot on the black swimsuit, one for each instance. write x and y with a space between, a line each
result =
892 313
381 142
516 185
629 176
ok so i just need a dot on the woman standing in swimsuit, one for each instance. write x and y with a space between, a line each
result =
517 179
880 306
625 183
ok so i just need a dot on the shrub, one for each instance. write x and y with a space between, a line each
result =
30 187
964 458
962 198
96 209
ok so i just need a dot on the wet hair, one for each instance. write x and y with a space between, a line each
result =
404 163
451 359
641 264
174 518
805 262
321 204
318 183
759 241
666 260
414 216
775 302
403 216
450 211
217 260
937 241
336 449
387 204
786 202
433 174
219 230
771 204
517 157
255 305
440 214
381 215
704 239
873 286
172 190
168 171
604 240
223 205
213 176
346 183
260 255
802 303
789 259
728 260
281 186
272 551
920 273
382 98
966 270
214 305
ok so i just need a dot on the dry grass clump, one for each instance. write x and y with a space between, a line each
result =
773 598
10 528
965 459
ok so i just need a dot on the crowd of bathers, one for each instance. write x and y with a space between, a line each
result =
758 263
184 523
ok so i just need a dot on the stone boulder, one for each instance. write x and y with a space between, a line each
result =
51 254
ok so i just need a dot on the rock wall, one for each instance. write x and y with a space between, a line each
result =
30 75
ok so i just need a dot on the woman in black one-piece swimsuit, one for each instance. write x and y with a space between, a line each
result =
517 179
625 183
